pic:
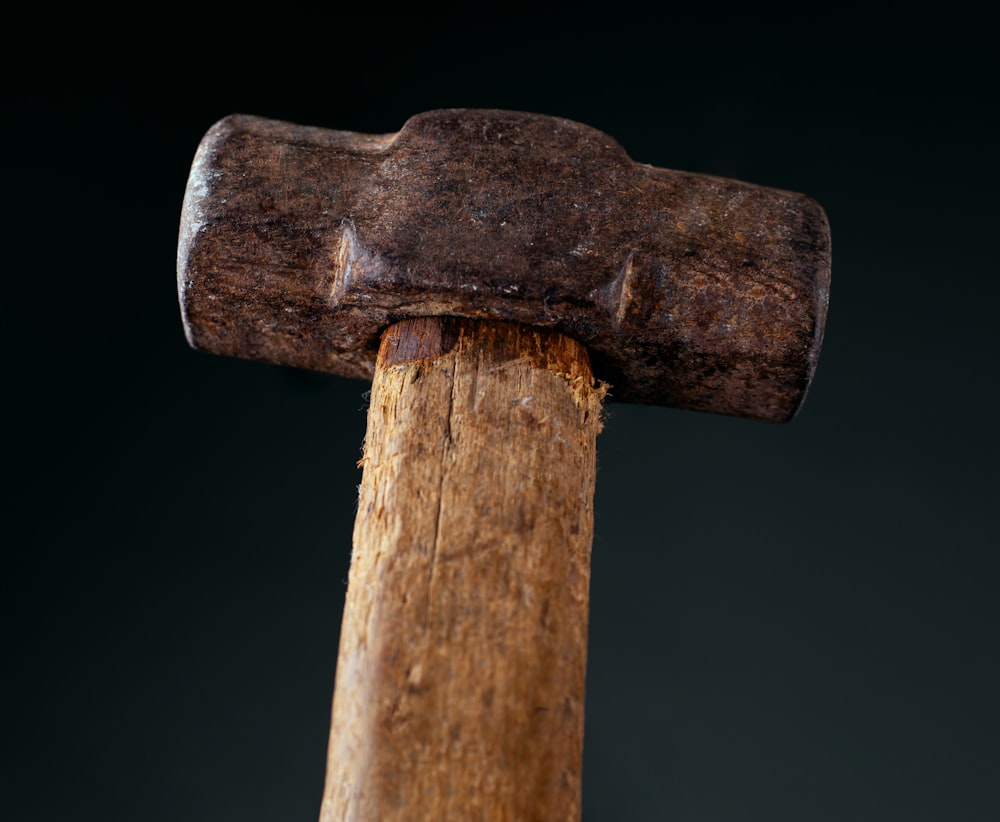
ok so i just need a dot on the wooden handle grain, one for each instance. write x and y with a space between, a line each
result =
460 677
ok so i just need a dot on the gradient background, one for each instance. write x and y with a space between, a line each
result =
788 623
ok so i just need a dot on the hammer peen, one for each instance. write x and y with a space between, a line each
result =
499 277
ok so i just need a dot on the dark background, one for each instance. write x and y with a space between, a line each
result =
788 623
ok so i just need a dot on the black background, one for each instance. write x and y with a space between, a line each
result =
791 622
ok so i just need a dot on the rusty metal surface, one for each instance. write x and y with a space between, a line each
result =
299 245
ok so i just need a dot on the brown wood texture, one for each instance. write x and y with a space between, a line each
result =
460 678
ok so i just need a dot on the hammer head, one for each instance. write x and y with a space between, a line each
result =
300 245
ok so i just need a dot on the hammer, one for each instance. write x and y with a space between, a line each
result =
499 277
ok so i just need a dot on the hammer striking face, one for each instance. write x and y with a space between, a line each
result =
300 245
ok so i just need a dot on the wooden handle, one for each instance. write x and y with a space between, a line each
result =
460 678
